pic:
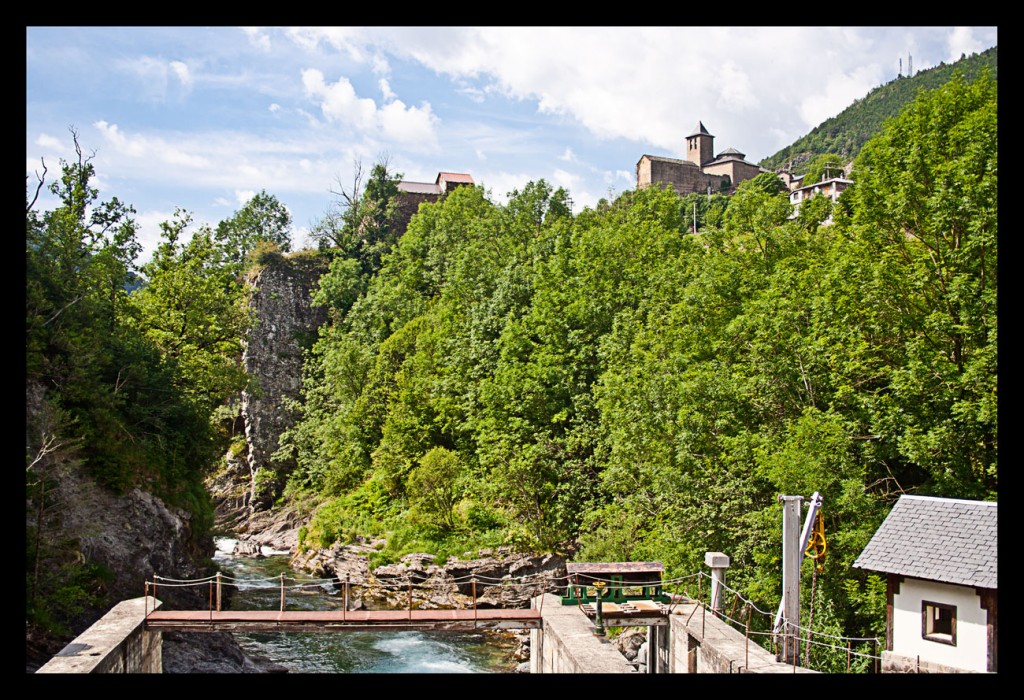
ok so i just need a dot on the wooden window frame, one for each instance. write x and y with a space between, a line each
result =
927 615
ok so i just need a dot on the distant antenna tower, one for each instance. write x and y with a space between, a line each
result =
910 66
901 66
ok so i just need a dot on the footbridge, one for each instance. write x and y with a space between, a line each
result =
605 594
568 618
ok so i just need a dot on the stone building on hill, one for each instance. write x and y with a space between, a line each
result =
412 194
702 171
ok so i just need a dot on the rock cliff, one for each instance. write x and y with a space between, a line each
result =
286 324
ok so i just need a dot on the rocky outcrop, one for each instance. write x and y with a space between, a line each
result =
286 323
130 537
497 578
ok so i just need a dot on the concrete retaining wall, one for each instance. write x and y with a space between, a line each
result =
567 643
693 642
702 643
116 643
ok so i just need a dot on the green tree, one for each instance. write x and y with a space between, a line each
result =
362 225
435 488
262 218
102 399
925 209
194 309
823 167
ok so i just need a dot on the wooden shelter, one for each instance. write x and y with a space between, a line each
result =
617 582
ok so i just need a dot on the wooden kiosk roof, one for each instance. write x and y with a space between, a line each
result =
615 567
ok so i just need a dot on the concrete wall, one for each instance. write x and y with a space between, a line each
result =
699 642
692 642
116 643
567 643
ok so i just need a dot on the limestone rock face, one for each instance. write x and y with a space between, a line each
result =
496 578
286 322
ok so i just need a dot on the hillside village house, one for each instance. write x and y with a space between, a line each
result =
939 557
831 188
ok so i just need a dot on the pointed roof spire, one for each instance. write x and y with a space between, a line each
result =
699 130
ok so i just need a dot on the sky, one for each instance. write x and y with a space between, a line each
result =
199 119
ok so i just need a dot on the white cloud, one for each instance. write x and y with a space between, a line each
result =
242 197
562 178
351 40
130 147
840 91
736 91
385 90
257 37
274 108
413 126
47 141
191 160
154 77
961 41
479 154
568 156
339 101
181 72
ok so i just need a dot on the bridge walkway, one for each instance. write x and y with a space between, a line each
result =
345 620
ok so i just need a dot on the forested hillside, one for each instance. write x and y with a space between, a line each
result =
845 133
609 383
515 374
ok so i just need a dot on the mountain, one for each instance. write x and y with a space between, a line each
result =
845 133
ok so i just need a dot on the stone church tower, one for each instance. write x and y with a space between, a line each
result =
700 145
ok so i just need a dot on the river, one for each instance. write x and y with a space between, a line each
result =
351 652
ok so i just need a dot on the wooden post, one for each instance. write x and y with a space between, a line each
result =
344 609
218 591
746 661
474 599
410 600
282 592
211 598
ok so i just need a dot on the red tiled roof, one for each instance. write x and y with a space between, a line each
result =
455 177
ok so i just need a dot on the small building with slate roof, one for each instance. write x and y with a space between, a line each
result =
939 556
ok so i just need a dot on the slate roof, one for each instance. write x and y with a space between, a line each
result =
418 187
699 130
939 539
663 159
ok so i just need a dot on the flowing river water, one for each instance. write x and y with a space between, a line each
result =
350 652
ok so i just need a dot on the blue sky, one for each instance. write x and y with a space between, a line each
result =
202 118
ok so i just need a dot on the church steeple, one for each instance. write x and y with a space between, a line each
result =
700 145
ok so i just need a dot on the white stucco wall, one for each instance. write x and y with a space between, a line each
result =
971 625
